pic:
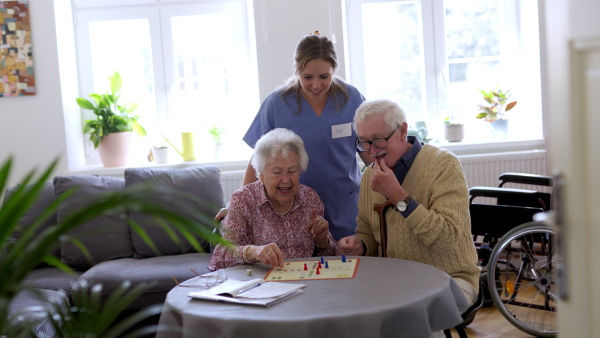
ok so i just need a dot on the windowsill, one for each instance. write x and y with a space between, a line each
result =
119 171
466 147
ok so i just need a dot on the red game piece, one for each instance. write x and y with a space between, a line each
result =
318 272
319 265
305 267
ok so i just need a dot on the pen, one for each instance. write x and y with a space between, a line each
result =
250 288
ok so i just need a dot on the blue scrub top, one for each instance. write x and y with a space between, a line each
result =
332 166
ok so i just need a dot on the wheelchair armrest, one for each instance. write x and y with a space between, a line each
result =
515 196
503 192
525 179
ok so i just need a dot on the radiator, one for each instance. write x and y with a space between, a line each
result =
231 181
480 169
484 169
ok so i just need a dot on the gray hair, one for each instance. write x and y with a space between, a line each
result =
278 142
394 115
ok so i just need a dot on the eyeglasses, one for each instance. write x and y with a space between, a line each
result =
205 280
378 143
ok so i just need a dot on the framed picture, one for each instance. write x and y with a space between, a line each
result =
16 57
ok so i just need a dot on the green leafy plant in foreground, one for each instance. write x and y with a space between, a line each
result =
22 254
111 117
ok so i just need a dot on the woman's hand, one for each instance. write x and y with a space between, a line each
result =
221 214
268 254
318 228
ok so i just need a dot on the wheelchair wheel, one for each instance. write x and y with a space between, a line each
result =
522 268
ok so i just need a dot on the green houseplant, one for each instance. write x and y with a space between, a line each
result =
217 133
111 117
110 132
87 317
495 106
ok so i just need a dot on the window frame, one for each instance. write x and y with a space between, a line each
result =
159 14
436 69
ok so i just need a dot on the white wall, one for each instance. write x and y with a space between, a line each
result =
32 127
280 24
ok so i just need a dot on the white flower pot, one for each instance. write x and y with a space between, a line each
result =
454 132
114 149
161 154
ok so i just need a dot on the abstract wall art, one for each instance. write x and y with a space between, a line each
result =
16 58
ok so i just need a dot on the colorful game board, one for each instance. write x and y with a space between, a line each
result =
315 269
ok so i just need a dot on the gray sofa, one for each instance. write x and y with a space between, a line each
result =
117 252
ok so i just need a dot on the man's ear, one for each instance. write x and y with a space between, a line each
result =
404 130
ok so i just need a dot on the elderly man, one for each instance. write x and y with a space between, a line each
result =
430 222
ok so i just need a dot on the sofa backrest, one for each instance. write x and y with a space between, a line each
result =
200 189
106 237
111 237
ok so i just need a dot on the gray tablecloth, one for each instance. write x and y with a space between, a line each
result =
387 298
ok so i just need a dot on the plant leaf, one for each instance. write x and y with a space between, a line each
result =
510 106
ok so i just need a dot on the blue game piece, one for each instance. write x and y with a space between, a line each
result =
322 260
326 265
344 258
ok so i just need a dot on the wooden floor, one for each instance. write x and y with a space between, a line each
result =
489 323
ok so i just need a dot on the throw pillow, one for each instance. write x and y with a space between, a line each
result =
107 237
199 188
45 198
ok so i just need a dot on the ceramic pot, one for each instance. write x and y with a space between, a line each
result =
160 154
454 132
114 149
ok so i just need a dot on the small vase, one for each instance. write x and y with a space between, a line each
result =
454 132
500 129
114 149
218 150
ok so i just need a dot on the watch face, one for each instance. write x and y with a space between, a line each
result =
401 206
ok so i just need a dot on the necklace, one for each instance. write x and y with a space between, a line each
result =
291 205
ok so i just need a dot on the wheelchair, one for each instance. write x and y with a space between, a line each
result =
517 254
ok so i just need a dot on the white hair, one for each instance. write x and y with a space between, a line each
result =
278 142
393 114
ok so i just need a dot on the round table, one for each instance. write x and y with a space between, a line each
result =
387 298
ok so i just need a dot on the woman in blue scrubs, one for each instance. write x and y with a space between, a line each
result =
319 107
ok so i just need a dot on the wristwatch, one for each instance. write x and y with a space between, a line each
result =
403 204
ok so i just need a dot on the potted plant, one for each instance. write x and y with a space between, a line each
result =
18 257
454 129
494 110
112 128
217 133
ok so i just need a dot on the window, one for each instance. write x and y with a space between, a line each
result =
433 56
189 65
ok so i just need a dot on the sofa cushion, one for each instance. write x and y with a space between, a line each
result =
34 305
199 188
105 237
52 278
45 198
157 270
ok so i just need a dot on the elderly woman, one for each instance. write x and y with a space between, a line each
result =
275 217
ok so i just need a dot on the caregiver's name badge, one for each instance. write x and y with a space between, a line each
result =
341 130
